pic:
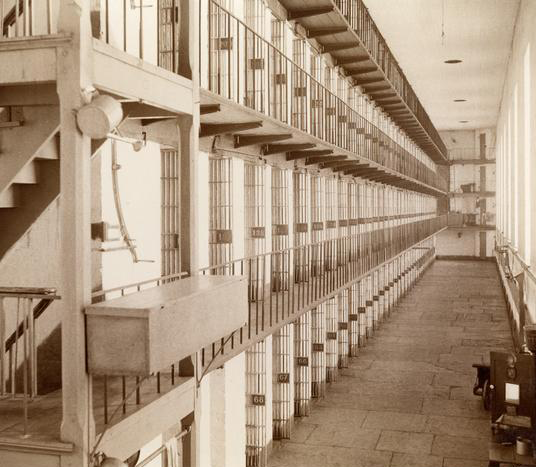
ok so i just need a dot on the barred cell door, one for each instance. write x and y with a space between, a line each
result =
168 34
317 219
282 341
279 72
220 220
170 199
257 54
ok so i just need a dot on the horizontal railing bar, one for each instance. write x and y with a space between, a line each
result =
229 353
101 293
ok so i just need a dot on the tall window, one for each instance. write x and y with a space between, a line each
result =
527 166
515 170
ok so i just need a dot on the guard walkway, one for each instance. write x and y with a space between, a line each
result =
407 400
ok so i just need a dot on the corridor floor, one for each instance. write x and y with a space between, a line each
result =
406 400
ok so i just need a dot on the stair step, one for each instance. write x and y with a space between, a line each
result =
27 175
51 149
8 198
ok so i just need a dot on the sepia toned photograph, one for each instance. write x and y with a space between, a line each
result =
267 233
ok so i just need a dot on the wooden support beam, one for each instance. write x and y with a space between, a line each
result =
361 172
390 100
363 71
344 167
382 176
141 111
319 32
307 12
10 124
327 48
324 160
370 88
150 121
397 105
209 108
331 164
293 155
251 139
349 61
365 81
381 97
212 129
270 149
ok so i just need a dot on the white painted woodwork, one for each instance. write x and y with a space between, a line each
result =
27 175
24 142
8 198
50 150
142 81
147 331
126 437
27 66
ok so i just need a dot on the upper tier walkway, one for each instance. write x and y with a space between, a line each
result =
406 400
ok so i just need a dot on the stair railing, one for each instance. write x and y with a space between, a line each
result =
20 345
25 18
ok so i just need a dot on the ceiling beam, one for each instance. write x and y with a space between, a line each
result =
212 129
307 12
324 159
209 108
319 32
269 149
293 155
251 139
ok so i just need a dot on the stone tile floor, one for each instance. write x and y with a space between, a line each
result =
406 400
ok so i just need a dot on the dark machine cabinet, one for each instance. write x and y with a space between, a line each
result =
513 389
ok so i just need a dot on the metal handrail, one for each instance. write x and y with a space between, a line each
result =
359 18
283 284
315 109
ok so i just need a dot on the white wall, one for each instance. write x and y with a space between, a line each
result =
516 166
139 188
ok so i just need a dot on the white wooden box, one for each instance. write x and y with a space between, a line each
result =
148 331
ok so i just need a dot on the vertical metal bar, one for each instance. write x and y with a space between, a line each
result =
33 352
2 339
15 360
141 31
105 398
25 363
124 394
125 25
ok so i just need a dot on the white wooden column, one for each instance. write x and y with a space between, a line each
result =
74 74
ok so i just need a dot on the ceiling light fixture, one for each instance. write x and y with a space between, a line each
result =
464 121
460 100
453 61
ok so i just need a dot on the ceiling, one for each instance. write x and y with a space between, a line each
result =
478 32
